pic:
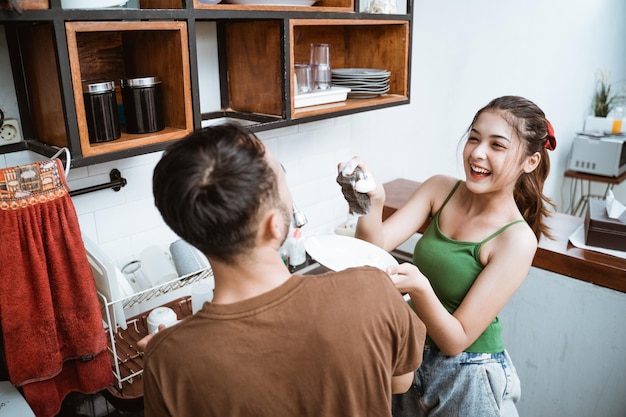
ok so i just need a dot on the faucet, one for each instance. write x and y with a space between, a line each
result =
299 219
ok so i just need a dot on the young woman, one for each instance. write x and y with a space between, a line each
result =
475 253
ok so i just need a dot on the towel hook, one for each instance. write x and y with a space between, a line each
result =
68 159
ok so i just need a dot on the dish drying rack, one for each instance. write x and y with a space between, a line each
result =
126 357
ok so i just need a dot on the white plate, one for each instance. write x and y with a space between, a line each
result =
273 2
359 83
379 90
337 252
366 91
364 78
359 80
360 72
363 95
109 282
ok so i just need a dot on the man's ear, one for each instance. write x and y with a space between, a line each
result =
532 162
272 225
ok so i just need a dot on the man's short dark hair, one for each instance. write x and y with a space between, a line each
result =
210 186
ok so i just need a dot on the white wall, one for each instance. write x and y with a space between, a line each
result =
464 54
567 340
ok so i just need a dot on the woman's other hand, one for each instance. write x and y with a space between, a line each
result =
407 278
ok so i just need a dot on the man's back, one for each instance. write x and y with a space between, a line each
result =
318 345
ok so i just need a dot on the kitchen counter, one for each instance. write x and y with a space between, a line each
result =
557 255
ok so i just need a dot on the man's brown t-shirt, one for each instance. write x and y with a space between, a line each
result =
324 345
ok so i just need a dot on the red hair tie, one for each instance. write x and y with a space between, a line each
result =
550 143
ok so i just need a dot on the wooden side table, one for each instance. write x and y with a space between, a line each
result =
579 178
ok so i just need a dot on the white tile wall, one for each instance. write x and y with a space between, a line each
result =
125 222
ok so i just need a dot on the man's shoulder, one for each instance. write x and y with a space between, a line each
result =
361 275
364 280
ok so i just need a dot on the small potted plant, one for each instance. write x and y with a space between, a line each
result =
604 98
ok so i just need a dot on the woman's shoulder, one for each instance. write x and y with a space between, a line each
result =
440 180
521 234
437 188
517 238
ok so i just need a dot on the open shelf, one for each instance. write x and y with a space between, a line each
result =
250 51
111 51
354 44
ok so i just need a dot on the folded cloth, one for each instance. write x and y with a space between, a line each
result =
49 312
359 203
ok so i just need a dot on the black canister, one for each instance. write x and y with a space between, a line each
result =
143 104
101 111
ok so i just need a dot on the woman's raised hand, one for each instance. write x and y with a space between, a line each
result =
367 184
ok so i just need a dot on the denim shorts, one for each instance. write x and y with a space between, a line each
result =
465 385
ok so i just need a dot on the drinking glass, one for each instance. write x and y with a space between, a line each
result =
302 78
320 66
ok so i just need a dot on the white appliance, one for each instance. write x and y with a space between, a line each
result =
599 155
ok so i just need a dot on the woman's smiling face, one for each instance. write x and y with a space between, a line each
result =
492 154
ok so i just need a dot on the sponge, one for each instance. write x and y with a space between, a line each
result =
359 203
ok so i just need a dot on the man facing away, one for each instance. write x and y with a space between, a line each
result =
270 343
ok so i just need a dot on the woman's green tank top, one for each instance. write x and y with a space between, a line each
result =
452 266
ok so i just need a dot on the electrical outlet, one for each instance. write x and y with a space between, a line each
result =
10 132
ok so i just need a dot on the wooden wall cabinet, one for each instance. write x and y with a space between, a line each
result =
355 44
116 50
54 51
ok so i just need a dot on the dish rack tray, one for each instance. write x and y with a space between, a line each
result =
126 357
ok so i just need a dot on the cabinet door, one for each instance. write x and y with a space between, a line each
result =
37 52
254 62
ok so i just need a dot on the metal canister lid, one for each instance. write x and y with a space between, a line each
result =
140 82
99 88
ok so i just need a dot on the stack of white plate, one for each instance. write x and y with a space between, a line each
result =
363 82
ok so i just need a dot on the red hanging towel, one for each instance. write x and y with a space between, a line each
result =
51 319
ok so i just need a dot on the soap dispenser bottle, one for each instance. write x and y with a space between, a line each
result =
297 253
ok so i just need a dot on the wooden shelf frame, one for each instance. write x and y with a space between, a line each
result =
387 43
47 52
